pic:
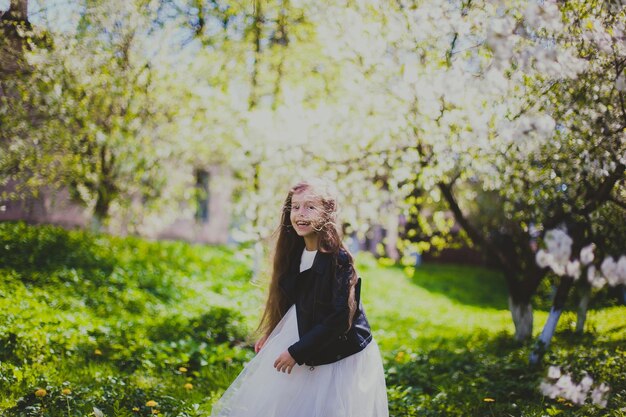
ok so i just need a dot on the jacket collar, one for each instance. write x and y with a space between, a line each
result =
320 263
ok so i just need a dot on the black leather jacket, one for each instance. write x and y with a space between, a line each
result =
321 298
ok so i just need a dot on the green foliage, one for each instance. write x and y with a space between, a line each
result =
446 338
26 248
87 322
114 320
87 116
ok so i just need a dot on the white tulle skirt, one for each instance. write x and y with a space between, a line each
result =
351 387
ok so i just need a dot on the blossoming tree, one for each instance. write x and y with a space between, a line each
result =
513 108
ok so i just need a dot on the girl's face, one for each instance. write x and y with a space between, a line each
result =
306 212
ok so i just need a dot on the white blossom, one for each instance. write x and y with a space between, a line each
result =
596 34
554 372
548 389
621 269
564 383
500 38
571 64
595 278
544 259
572 269
545 125
599 395
497 81
586 383
561 385
559 244
577 394
620 82
609 270
546 60
586 254
546 15
558 268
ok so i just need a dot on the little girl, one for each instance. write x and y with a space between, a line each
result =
317 357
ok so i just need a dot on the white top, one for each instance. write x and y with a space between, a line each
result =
306 261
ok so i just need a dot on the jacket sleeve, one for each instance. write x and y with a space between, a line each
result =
333 325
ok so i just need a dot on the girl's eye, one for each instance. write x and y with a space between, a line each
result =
311 207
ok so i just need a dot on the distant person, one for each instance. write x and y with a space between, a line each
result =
317 357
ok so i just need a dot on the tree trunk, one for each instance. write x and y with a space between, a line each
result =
583 307
513 255
19 9
257 32
12 39
553 319
257 261
280 38
95 224
391 240
101 211
106 189
522 313
546 336
522 285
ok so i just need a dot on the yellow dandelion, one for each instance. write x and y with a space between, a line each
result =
40 393
489 400
400 356
135 409
66 391
182 369
151 403
188 386
97 352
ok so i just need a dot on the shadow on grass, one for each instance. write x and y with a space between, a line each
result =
474 286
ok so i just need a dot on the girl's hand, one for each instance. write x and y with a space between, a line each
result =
259 344
284 362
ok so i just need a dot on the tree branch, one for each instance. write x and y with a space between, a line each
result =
594 198
617 202
256 30
474 234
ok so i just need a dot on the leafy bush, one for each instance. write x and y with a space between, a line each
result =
217 325
116 321
48 248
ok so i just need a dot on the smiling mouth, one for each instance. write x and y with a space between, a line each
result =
303 223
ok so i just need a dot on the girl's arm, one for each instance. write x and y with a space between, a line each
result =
335 324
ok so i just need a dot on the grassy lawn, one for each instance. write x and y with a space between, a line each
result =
446 335
117 323
438 304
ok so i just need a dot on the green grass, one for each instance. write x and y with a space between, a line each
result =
446 336
114 320
420 308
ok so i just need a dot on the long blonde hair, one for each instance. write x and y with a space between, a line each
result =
289 247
